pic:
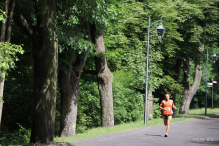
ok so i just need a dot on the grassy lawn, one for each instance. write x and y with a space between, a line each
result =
194 113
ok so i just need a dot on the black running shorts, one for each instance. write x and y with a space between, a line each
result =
166 116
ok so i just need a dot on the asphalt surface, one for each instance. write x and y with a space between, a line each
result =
194 132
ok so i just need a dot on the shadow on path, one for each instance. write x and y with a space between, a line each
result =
63 144
154 135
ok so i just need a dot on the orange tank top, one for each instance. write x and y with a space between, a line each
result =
168 108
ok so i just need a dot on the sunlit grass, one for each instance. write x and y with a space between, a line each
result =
194 113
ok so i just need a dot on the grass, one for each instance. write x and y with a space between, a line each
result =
194 113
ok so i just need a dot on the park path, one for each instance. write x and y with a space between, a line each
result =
194 132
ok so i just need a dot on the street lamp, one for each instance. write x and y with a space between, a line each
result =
214 59
160 34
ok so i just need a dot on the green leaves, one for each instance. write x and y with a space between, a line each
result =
8 55
2 16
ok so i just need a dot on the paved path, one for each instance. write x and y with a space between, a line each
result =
194 132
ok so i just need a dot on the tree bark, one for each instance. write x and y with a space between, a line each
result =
190 91
8 39
45 52
3 32
104 78
69 86
1 96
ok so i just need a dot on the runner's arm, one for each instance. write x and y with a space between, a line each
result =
161 106
174 107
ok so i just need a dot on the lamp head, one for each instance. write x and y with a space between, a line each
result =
160 31
214 58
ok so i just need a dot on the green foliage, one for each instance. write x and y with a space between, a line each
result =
2 15
212 73
88 115
128 104
126 42
169 85
156 109
20 136
18 89
8 56
178 103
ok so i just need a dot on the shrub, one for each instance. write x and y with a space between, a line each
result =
156 109
127 102
20 136
89 114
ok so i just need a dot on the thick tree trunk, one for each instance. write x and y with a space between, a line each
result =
69 86
45 52
3 32
104 79
190 91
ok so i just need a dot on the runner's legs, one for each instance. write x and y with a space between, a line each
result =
169 118
165 121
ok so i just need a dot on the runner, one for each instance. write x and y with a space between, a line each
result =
167 105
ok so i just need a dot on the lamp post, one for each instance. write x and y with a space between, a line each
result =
161 29
214 59
212 93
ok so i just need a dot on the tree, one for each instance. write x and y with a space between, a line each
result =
190 91
69 86
3 30
45 54
201 31
104 78
75 57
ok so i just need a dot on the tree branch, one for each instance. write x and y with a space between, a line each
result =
92 72
3 30
10 22
22 22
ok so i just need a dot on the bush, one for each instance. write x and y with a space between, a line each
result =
20 136
156 109
89 112
179 103
127 102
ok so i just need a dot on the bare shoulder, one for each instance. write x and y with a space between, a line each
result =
171 101
162 101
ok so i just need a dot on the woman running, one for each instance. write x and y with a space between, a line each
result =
167 105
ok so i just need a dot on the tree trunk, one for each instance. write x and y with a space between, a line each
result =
3 32
190 91
69 86
45 52
1 96
104 79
